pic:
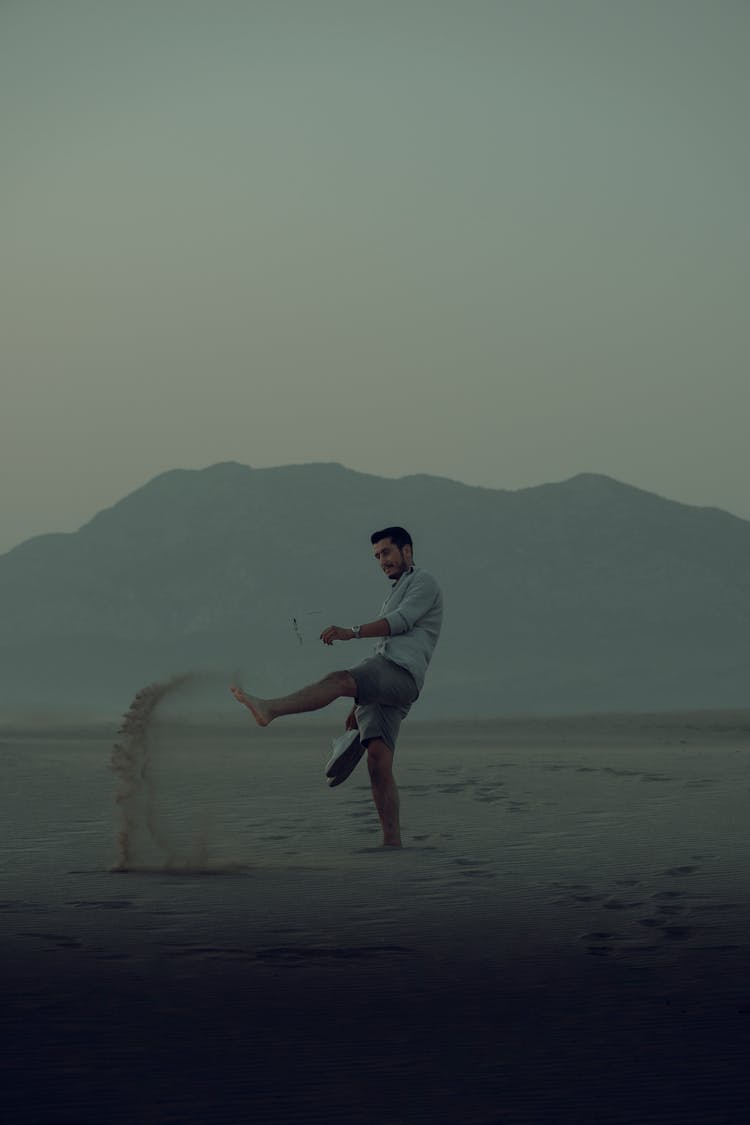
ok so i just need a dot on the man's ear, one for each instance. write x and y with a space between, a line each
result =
408 554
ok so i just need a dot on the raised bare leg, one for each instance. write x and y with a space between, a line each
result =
310 698
384 791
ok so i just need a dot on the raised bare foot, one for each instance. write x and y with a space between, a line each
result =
261 714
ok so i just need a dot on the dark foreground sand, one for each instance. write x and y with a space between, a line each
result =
565 938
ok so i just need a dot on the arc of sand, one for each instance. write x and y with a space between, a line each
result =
130 761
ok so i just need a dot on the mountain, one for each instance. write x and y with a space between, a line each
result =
587 594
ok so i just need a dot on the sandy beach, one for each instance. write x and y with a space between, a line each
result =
565 936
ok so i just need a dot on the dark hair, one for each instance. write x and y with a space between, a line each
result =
398 535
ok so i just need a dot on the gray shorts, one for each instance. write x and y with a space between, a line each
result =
385 693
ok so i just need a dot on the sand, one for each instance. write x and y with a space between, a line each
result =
565 937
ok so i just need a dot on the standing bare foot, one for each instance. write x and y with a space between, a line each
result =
260 711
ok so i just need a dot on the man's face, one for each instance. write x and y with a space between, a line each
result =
393 561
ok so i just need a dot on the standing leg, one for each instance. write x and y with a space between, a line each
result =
310 698
384 791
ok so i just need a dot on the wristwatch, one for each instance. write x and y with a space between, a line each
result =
355 630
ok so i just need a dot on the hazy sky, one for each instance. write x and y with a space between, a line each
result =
503 241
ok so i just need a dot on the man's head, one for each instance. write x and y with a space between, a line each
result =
394 550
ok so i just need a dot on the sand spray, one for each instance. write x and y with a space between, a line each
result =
137 797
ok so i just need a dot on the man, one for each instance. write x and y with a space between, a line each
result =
385 685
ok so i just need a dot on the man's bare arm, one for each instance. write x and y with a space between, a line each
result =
379 628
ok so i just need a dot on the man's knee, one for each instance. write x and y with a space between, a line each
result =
379 758
344 683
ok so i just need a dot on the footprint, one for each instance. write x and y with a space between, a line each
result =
686 869
290 954
214 952
63 941
619 904
721 949
109 904
677 933
635 948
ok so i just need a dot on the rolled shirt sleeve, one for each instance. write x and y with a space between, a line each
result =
418 600
414 612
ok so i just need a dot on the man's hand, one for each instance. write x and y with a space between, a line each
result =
351 720
335 633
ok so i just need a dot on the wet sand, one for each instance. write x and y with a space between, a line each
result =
565 937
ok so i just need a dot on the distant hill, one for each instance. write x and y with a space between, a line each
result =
583 595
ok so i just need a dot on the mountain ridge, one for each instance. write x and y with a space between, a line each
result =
582 478
576 595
